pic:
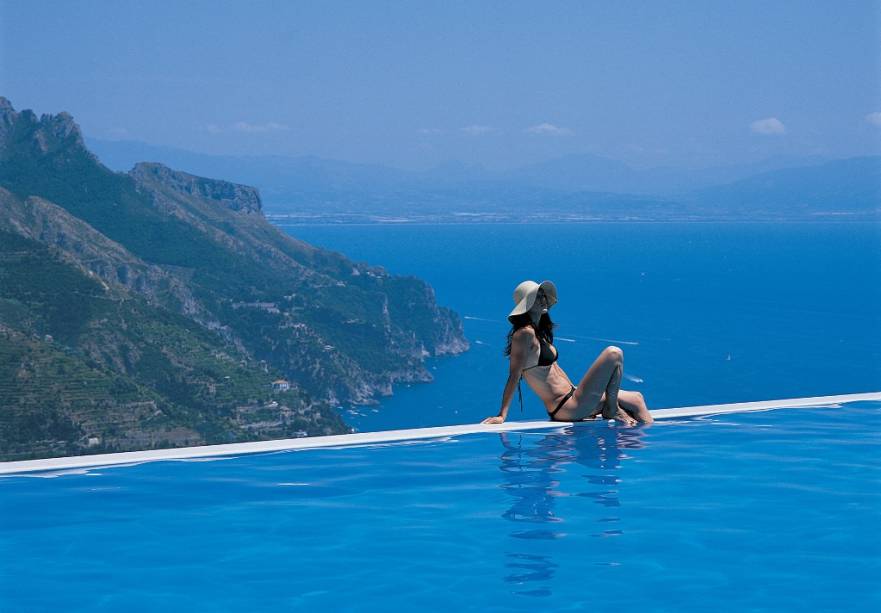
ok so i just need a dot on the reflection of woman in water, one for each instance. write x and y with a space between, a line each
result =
530 478
531 351
534 469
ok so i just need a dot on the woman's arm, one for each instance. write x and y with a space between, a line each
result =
519 345
507 395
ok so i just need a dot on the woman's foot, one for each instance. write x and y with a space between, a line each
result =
624 417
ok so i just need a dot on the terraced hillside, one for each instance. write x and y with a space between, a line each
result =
154 308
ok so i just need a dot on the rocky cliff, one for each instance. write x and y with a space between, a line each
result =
174 300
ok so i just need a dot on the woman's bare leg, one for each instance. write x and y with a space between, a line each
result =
610 409
601 384
634 404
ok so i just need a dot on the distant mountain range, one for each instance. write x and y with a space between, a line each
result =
840 189
573 187
156 308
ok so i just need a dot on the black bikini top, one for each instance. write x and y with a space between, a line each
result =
545 354
545 357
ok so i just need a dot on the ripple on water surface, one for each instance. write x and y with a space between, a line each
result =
771 510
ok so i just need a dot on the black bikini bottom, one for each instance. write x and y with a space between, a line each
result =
561 403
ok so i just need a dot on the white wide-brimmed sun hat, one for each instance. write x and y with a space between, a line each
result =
526 293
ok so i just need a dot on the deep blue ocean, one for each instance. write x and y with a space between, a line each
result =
764 511
705 313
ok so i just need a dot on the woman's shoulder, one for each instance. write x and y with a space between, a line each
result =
526 333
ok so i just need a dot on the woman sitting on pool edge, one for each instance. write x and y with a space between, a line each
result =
530 350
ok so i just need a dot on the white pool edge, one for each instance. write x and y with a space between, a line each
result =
387 436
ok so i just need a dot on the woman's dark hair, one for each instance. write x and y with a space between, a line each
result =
544 329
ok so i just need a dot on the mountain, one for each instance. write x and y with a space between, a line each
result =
278 177
573 187
305 183
155 308
841 189
584 172
579 173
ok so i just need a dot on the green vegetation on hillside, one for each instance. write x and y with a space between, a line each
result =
176 294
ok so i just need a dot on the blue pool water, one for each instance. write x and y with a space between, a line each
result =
776 510
705 313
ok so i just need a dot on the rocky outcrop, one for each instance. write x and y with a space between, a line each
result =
44 135
235 197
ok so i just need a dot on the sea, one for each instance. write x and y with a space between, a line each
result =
764 511
706 313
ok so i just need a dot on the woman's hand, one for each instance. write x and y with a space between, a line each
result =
495 419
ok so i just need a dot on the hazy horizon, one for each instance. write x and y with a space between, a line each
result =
495 84
808 159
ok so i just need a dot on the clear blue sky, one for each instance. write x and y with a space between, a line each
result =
412 84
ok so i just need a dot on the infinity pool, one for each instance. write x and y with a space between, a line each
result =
776 510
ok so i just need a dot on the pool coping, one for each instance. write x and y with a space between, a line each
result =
389 436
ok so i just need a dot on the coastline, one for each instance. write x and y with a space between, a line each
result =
284 220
